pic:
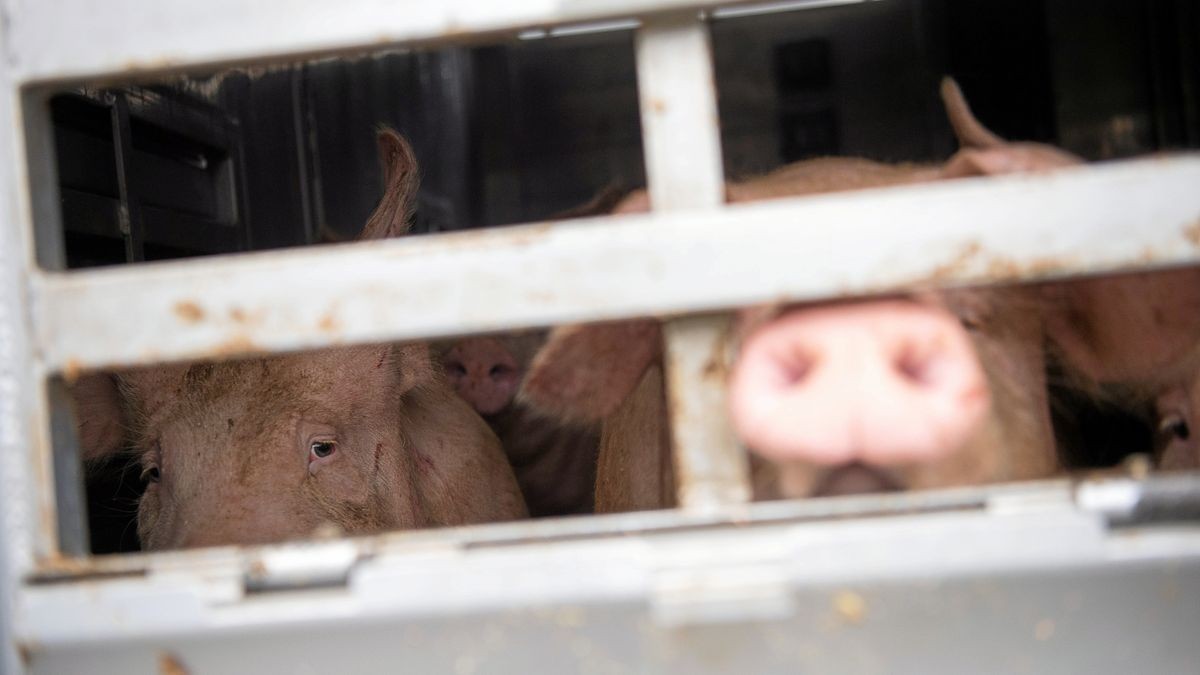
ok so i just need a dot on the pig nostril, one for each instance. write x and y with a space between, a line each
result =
498 371
916 366
455 369
795 367
796 373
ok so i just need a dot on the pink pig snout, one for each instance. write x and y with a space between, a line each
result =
881 383
484 373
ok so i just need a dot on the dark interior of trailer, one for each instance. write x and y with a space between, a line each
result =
273 156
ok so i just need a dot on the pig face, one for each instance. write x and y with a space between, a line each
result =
1141 332
939 389
359 439
1177 408
267 449
487 370
555 463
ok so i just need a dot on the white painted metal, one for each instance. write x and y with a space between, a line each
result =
59 40
694 256
1123 215
24 420
682 142
757 8
406 576
678 100
711 468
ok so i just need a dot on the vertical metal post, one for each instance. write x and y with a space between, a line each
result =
305 151
682 144
70 496
23 455
130 208
41 152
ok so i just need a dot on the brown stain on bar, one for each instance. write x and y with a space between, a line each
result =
234 346
1006 269
71 371
328 323
958 264
189 311
169 664
850 607
1192 233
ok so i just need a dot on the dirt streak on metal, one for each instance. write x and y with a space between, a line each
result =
189 311
1192 232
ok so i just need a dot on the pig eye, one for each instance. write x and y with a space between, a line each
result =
1174 427
150 474
322 449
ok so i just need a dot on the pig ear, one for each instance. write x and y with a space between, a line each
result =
1011 158
602 204
637 201
583 373
100 416
414 362
401 179
970 132
984 153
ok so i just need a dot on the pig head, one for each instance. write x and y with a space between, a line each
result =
937 389
362 439
555 462
1135 338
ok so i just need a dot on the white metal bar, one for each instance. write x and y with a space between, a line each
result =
436 582
1140 213
682 142
711 469
27 525
59 40
678 100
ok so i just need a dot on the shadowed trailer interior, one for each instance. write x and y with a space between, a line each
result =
265 157
507 117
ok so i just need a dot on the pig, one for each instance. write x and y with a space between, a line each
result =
555 463
935 389
358 439
1135 338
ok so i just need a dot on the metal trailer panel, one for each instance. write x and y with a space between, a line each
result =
20 414
1141 213
1025 570
1040 585
57 41
1094 620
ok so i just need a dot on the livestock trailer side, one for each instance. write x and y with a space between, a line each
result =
1097 572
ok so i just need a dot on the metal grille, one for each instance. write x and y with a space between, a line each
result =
619 602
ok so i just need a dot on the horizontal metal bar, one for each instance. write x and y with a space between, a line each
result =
1112 217
1083 494
58 40
906 553
1126 618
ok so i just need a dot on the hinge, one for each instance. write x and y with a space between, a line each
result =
733 593
1157 498
309 565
